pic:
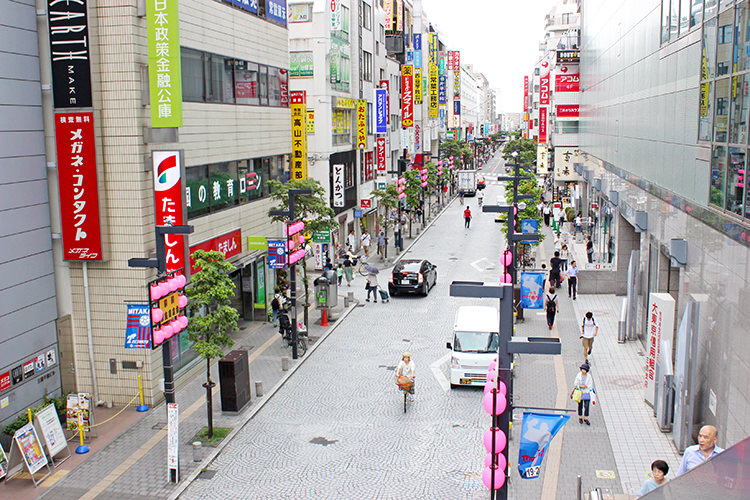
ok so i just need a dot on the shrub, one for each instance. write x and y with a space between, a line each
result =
60 403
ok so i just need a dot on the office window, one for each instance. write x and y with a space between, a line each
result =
192 75
219 78
263 85
664 21
708 68
246 83
711 9
274 87
706 114
674 24
742 42
366 66
566 18
718 172
740 98
722 110
736 180
685 16
367 16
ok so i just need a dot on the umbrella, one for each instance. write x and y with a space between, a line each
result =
372 269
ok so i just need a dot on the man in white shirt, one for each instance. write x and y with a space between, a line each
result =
701 452
589 330
366 239
351 241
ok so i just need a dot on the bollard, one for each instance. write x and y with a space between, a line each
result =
346 302
578 488
197 451
142 407
259 388
350 296
285 363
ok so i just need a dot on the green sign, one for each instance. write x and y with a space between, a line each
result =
257 243
301 64
381 185
165 76
321 236
260 281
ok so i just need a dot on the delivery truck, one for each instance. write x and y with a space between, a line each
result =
467 182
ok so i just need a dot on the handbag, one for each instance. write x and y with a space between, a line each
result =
367 286
586 396
576 395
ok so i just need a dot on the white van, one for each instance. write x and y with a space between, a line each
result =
475 343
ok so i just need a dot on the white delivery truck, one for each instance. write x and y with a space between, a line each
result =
475 343
467 182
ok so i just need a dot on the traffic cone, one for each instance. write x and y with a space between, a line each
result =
324 319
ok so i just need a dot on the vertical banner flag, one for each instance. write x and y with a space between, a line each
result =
532 290
299 135
165 76
338 185
525 94
542 125
661 310
361 123
407 95
381 111
381 154
335 12
384 85
399 15
276 254
537 431
69 53
418 85
388 7
418 51
79 198
169 203
138 329
442 89
529 226
544 90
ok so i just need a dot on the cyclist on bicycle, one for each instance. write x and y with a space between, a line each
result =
404 373
480 197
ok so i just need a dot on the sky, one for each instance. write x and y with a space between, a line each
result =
499 37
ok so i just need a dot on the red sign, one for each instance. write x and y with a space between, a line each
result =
169 204
284 87
229 244
407 95
4 381
525 94
449 61
384 85
365 203
369 172
456 60
381 154
542 125
79 198
567 110
544 90
567 83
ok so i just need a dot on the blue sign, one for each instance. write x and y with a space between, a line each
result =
537 431
276 10
442 89
276 254
248 5
441 114
381 111
529 226
357 214
138 327
456 107
409 56
417 41
532 290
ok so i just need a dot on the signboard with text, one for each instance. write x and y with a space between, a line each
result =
544 90
407 95
525 94
299 135
361 124
229 244
165 75
381 111
542 125
69 53
661 310
169 204
276 254
381 155
338 185
567 110
567 83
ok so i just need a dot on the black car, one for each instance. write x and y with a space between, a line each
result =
412 275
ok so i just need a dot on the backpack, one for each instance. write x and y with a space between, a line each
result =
275 304
551 305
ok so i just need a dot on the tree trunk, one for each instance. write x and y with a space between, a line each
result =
306 282
209 385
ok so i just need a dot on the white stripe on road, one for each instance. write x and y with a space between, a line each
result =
475 264
437 372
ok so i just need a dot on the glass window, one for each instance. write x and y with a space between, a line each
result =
709 50
705 120
723 4
718 171
274 87
192 75
736 180
738 123
711 8
742 42
721 110
724 43
696 13
366 66
367 16
263 85
685 16
246 83
664 21
674 19
220 79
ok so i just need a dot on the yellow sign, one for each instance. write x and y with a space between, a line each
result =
433 91
299 135
169 304
310 121
344 102
361 124
417 85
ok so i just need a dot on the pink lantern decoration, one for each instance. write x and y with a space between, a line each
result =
158 336
500 440
182 301
157 315
181 281
491 383
515 210
494 405
502 462
167 331
402 196
154 292
172 284
424 184
507 258
505 278
492 374
451 157
176 327
499 477
493 365
183 321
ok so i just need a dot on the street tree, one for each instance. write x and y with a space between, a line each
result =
531 211
457 149
413 190
387 201
432 183
526 149
313 209
212 316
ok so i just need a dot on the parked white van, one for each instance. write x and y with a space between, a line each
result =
475 343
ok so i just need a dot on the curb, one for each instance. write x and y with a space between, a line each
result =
185 483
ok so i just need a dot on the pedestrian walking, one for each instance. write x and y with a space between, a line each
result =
589 249
573 280
467 217
366 239
659 470
589 330
547 213
550 305
372 287
578 221
583 388
698 453
339 274
557 243
276 306
348 271
555 277
351 241
564 256
382 242
461 197
562 220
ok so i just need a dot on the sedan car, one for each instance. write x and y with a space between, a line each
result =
412 275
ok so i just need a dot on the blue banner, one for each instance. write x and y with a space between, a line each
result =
381 111
529 226
276 11
442 89
249 5
138 327
532 290
276 254
417 41
456 107
537 431
409 56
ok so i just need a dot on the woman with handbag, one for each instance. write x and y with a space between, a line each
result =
582 391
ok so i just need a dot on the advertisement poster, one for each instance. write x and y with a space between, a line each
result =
30 447
276 254
661 309
361 124
79 196
3 462
407 95
138 327
165 75
49 427
69 53
169 198
75 404
532 290
537 432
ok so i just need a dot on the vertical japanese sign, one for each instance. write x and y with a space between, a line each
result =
417 138
338 185
418 51
173 442
381 155
450 61
433 94
456 60
388 7
169 205
442 89
661 310
165 77
418 85
384 85
69 53
407 95
79 199
433 47
361 124
381 111
542 124
544 90
310 121
399 15
457 84
441 63
525 94
299 135
335 12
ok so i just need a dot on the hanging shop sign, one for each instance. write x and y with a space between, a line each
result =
567 110
407 95
442 89
457 60
433 46
388 7
338 185
457 84
361 124
381 111
568 56
69 53
544 90
433 82
79 198
418 51
299 136
418 85
165 76
417 142
542 125
229 244
276 254
567 83
525 94
381 155
661 309
169 197
276 11
138 327
399 15
457 108
384 85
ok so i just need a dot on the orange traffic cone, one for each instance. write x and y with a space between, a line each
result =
324 319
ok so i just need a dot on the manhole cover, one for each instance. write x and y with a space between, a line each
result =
206 474
388 367
323 441
160 425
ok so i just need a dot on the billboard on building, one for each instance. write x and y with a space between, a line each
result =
565 82
69 53
544 89
338 185
418 85
407 95
380 144
567 110
165 76
542 125
361 124
169 204
381 111
433 92
299 135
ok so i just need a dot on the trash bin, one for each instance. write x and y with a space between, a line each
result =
326 290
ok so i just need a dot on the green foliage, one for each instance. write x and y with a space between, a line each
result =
210 292
217 434
22 419
314 209
570 214
456 149
432 177
413 187
531 211
387 200
526 151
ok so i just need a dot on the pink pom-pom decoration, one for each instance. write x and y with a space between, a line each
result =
183 321
182 301
493 365
499 403
154 292
167 331
157 315
500 440
158 336
499 477
502 462
181 281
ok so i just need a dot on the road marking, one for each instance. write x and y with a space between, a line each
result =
475 264
54 478
130 461
437 372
